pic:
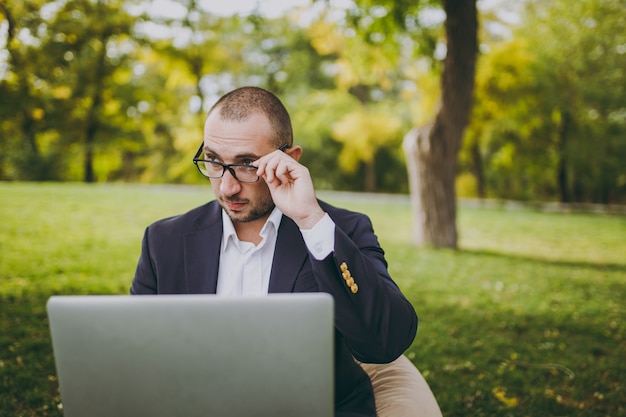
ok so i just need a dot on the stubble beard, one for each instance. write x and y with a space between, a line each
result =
257 211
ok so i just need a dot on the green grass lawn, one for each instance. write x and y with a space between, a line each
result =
527 319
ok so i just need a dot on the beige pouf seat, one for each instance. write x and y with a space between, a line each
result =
400 390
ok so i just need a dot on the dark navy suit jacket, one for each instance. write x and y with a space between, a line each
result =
180 255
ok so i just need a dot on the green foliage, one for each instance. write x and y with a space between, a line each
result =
281 57
508 136
62 60
548 120
362 132
580 68
384 22
516 323
96 86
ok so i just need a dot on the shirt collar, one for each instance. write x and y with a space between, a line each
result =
229 234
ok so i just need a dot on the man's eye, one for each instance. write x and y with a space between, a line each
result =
247 162
211 158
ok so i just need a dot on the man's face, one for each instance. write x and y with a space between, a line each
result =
239 142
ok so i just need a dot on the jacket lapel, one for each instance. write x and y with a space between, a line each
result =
202 251
289 255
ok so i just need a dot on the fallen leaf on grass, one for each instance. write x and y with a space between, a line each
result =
500 394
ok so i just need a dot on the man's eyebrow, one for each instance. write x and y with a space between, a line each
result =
208 151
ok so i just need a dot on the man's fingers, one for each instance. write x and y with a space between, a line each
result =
283 172
276 166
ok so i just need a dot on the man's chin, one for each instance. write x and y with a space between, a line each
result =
238 217
245 216
245 210
235 215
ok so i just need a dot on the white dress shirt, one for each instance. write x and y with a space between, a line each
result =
245 268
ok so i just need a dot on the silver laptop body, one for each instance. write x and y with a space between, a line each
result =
194 355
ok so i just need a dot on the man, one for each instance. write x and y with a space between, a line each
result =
267 232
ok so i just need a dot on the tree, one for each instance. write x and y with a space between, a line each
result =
62 56
549 123
432 150
501 147
22 107
365 68
372 64
362 132
580 67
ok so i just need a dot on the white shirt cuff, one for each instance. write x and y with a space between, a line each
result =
320 239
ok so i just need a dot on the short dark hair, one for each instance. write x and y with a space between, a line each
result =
243 102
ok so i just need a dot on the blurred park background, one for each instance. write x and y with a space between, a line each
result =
522 314
116 90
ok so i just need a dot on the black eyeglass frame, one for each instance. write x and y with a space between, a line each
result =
225 167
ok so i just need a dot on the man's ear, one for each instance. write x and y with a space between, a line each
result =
295 152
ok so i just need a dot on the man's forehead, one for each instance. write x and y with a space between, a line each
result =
253 133
219 140
232 148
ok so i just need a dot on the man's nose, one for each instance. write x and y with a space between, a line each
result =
229 184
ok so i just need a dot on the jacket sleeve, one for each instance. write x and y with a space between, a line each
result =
376 320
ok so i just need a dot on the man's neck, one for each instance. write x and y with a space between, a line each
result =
250 231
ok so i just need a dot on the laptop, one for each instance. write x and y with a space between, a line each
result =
194 355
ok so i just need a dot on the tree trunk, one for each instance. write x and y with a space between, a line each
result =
562 178
478 169
90 140
28 123
432 151
370 176
93 124
89 174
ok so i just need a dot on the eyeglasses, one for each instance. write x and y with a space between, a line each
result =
213 169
